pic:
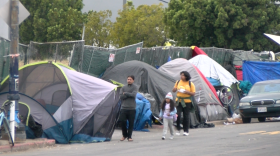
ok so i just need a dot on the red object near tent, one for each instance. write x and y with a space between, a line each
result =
207 82
198 51
239 73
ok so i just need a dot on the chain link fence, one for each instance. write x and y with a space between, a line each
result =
95 60
4 60
67 53
34 52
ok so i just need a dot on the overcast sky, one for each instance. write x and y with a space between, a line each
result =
96 5
114 5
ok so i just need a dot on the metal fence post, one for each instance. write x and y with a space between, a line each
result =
90 61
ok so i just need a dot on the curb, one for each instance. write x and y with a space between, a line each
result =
27 145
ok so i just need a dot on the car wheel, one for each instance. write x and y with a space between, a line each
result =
261 119
246 120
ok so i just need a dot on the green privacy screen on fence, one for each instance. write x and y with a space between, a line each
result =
95 60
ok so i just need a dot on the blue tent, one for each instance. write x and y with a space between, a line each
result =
254 71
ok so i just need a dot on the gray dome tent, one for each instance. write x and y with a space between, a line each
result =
70 106
147 78
207 99
150 80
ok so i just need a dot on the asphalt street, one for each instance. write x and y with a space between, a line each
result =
257 139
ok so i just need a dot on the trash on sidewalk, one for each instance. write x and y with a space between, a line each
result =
273 119
236 119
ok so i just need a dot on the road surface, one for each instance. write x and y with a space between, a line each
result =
258 139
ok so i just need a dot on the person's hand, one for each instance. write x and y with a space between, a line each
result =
168 114
159 118
123 93
174 89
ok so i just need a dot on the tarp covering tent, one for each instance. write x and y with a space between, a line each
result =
197 51
70 106
260 71
212 69
143 113
147 78
206 96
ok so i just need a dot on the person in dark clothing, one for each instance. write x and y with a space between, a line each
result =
128 95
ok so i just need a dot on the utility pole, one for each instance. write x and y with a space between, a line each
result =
13 13
14 77
124 3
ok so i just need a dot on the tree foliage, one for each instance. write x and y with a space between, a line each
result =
98 28
144 23
235 24
52 20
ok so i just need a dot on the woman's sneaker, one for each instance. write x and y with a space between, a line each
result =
163 138
186 134
171 137
178 133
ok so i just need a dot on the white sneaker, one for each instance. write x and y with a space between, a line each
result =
163 138
186 134
171 137
178 133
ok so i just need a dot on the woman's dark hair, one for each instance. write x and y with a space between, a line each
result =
172 105
186 74
131 76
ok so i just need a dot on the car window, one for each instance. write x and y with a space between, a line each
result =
265 88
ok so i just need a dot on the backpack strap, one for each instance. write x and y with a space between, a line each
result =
189 84
178 83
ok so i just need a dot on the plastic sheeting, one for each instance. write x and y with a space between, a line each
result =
245 86
214 82
152 101
211 68
143 113
260 71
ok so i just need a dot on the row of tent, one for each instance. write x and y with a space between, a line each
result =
74 107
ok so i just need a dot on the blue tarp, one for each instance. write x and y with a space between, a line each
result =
143 113
83 138
214 82
254 71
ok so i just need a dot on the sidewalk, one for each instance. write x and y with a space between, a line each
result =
29 143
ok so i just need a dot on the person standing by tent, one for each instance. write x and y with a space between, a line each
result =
168 113
185 89
128 95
